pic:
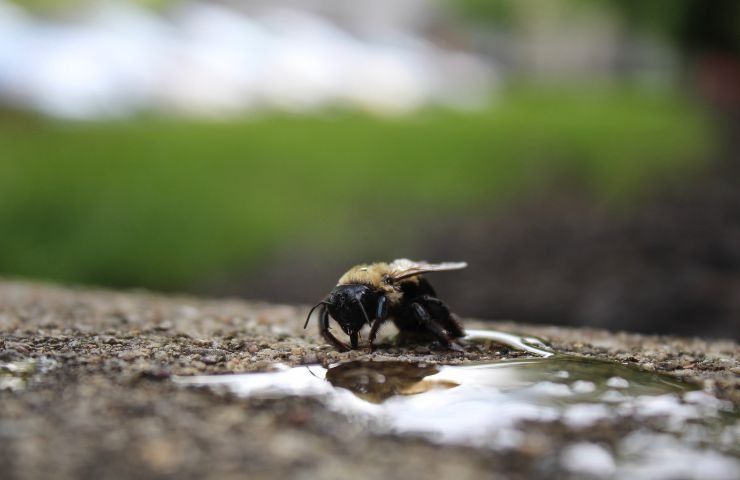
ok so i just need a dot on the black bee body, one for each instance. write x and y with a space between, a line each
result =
373 294
405 314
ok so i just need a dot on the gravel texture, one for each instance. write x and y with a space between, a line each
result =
99 403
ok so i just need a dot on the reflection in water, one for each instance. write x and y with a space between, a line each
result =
493 405
378 381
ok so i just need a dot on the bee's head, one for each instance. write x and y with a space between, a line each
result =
349 304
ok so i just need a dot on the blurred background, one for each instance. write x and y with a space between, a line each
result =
582 156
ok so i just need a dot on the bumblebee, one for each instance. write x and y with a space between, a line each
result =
375 293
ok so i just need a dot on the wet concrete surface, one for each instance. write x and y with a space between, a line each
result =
101 403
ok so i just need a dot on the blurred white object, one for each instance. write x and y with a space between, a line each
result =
211 60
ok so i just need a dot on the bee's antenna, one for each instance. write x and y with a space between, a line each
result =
323 302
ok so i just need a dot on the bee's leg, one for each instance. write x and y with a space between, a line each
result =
426 320
380 315
324 331
441 312
374 332
354 339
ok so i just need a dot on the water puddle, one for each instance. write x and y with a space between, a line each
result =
494 405
15 376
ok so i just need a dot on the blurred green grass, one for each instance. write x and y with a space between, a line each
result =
162 203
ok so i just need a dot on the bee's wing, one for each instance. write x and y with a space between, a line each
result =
404 268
